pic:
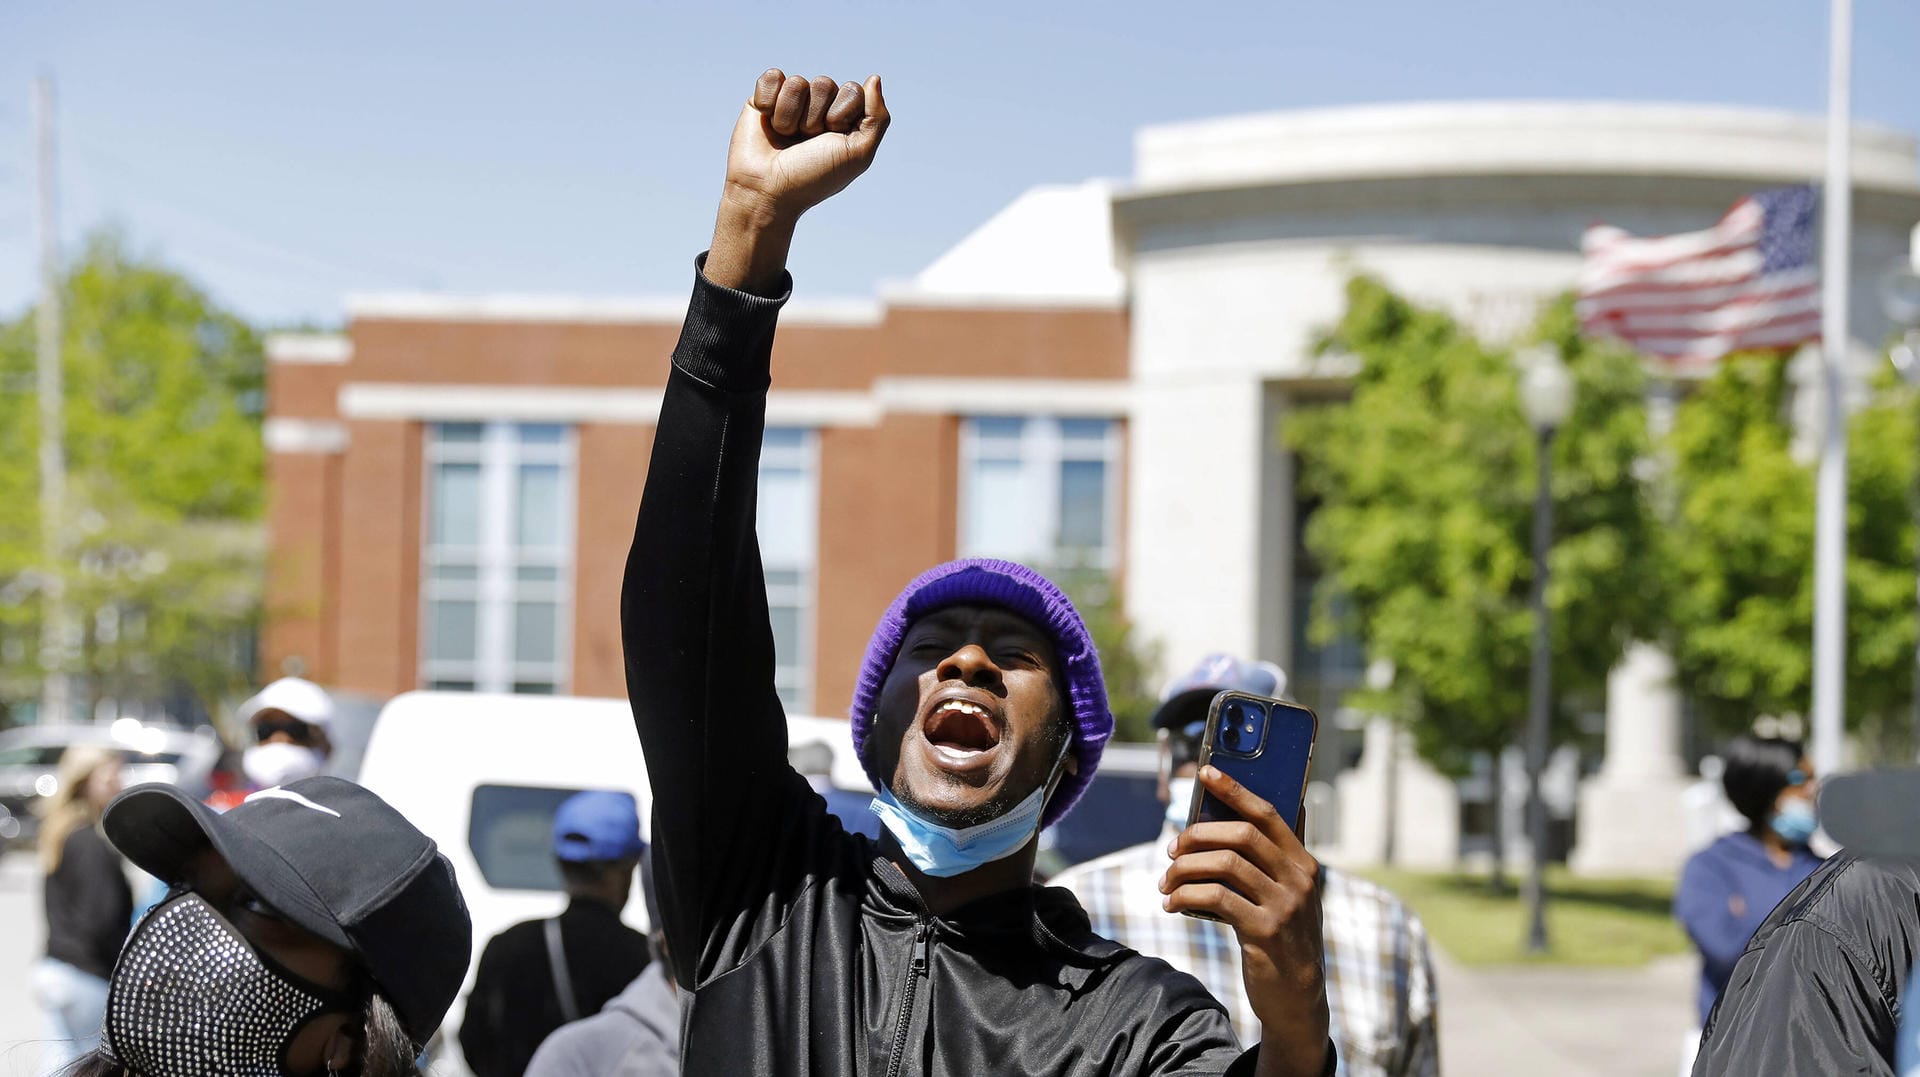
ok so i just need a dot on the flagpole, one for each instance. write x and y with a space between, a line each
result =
1830 497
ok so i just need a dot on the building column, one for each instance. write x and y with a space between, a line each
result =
1393 786
1630 812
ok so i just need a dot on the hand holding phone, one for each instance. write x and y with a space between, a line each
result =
1252 874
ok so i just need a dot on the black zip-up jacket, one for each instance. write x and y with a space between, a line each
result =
807 952
1821 986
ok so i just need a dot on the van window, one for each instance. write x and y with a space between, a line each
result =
511 834
1119 809
34 755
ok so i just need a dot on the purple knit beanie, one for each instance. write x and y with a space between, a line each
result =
1010 586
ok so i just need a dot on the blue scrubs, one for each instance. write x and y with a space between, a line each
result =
1726 891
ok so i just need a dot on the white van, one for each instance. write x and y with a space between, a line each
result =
482 776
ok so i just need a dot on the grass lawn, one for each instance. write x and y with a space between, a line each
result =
1589 921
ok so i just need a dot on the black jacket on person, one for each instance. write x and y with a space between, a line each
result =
513 1005
1818 990
807 952
89 904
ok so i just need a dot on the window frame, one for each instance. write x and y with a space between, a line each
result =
796 671
1043 445
496 559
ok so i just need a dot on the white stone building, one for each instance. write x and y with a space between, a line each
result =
1236 236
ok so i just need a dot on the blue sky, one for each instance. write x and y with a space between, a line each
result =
286 154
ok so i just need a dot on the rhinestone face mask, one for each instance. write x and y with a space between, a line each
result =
191 998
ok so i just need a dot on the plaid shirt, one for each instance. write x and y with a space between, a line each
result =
1379 975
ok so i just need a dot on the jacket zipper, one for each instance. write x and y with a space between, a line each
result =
915 970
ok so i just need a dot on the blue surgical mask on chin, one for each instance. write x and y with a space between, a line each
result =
944 851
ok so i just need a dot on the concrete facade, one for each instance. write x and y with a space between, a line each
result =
1237 236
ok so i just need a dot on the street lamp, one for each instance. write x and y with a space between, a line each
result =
1546 397
1900 299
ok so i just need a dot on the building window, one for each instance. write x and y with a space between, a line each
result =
788 527
1042 491
497 562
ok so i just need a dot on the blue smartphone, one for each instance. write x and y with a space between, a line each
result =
1264 744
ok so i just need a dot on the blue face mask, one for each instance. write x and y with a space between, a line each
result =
1179 801
944 851
1795 821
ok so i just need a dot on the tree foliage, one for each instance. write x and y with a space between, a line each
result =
1127 659
164 460
1426 478
1743 555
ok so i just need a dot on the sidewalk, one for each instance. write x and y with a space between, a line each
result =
22 934
1570 1022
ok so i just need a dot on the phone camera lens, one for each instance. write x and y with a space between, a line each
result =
1230 722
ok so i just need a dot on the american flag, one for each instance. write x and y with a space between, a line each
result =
1750 281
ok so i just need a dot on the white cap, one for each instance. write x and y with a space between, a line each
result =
294 697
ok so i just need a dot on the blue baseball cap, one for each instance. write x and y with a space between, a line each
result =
597 825
1183 703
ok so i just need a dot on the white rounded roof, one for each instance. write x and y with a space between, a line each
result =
1521 137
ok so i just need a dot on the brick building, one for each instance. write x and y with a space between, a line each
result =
454 480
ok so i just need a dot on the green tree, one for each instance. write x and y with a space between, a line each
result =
164 458
1426 480
1127 659
1743 555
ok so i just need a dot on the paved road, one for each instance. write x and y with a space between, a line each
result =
1567 1022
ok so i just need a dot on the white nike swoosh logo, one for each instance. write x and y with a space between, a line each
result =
277 793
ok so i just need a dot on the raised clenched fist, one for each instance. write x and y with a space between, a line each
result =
799 142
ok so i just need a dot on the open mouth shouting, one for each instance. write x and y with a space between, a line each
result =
962 730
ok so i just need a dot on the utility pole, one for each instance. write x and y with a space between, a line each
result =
55 621
1830 490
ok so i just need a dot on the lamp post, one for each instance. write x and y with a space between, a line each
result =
1546 397
1900 300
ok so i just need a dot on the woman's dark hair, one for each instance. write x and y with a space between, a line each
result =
1758 768
385 1049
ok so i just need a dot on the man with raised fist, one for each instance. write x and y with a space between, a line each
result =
980 716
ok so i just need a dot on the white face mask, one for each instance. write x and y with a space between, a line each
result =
1179 801
277 764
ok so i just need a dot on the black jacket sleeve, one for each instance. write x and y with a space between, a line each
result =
1819 988
699 648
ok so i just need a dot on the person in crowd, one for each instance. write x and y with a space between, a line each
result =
1819 989
1727 889
1824 985
979 714
635 1035
311 931
289 723
540 974
89 904
1380 986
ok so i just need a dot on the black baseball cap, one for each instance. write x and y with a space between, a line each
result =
335 859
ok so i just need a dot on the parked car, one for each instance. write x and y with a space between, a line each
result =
30 761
